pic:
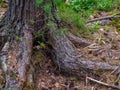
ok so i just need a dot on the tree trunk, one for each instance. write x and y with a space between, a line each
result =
18 27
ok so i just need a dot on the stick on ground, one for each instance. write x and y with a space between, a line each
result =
102 83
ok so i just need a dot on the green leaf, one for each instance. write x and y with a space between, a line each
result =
42 44
38 2
17 38
61 31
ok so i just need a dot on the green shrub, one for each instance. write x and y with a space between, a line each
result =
105 5
78 5
1 1
71 17
76 12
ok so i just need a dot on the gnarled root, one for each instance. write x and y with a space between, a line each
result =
16 60
65 56
81 42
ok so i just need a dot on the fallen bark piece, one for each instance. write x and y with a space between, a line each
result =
104 18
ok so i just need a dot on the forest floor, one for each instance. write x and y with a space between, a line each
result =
104 47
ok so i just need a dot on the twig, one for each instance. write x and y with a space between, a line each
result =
115 70
117 15
102 83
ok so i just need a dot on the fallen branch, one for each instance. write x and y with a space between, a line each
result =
116 71
102 83
104 18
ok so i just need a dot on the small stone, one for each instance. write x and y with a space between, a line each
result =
57 84
9 57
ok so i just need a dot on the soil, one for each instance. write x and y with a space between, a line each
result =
105 47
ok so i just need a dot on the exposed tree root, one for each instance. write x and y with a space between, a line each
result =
65 56
3 60
78 42
64 53
15 62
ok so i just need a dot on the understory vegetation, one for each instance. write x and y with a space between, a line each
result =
77 13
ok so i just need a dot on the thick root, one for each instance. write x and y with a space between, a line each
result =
78 42
16 60
65 56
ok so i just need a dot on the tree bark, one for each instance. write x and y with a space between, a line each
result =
65 56
64 53
19 25
77 41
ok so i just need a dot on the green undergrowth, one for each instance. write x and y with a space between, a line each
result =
115 21
74 18
3 4
105 5
77 12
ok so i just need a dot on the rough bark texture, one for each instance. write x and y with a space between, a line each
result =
78 42
65 55
18 27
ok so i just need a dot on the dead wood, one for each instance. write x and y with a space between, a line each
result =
102 83
104 18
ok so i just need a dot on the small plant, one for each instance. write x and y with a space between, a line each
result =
42 44
50 24
60 32
17 38
78 5
105 5
116 22
96 25
38 34
73 18
1 1
38 2
3 4
101 39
